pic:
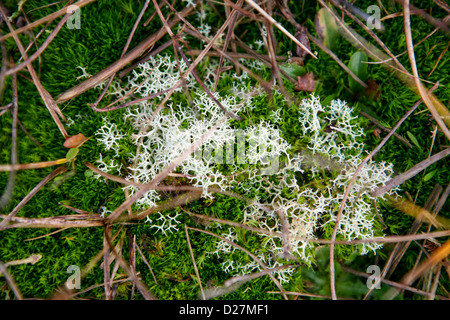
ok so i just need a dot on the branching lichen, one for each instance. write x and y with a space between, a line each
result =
297 193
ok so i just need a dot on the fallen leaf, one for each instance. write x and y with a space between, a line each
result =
306 82
373 90
302 37
75 141
326 28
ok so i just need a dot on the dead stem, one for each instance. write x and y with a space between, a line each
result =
347 191
251 255
8 192
191 252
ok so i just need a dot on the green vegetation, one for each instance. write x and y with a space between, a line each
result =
75 54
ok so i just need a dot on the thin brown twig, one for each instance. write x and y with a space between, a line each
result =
347 192
31 194
228 37
399 179
50 17
46 97
41 49
130 37
191 252
135 53
400 247
139 285
277 283
8 192
279 26
435 257
10 281
146 262
379 125
390 283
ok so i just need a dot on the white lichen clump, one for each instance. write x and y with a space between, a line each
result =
275 176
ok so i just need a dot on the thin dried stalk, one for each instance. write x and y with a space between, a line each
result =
31 194
119 64
33 165
133 30
251 255
50 17
401 247
194 263
435 257
139 285
146 262
46 97
400 71
55 222
234 283
347 191
41 49
279 26
10 281
410 173
423 92
8 192
390 283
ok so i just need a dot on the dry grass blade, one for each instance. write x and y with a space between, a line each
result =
279 26
423 92
139 285
50 17
231 223
401 247
347 191
72 221
191 252
251 255
191 68
431 20
435 257
234 283
63 293
10 281
420 214
379 125
31 194
41 49
133 30
46 97
8 192
390 283
146 262
31 259
411 172
106 263
34 165
135 53
302 294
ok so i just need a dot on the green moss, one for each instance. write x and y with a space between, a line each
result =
105 27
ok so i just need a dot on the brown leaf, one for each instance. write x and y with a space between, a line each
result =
306 82
373 90
302 37
75 141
